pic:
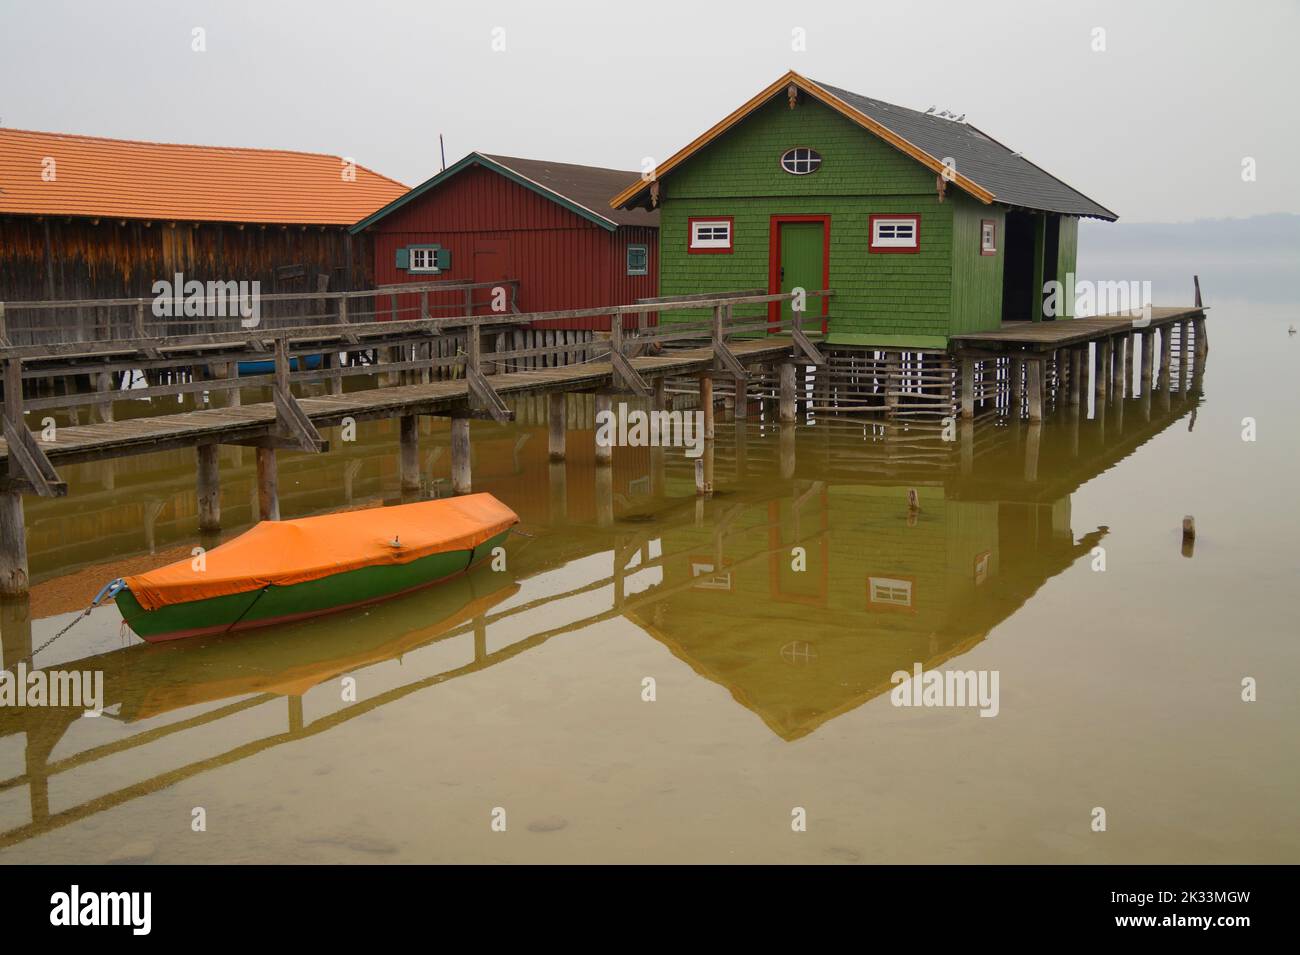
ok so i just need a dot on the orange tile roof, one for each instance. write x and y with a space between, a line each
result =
125 179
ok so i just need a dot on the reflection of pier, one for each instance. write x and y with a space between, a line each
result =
884 587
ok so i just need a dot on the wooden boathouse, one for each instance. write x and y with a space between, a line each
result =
82 217
926 227
546 225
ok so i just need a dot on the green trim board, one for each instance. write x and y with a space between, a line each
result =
478 159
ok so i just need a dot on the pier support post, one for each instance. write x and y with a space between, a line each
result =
787 451
968 387
1148 359
1130 342
1118 364
1184 354
409 454
557 419
209 487
660 400
788 412
706 405
1033 444
1017 383
741 403
1166 353
1100 363
1202 345
604 452
461 482
894 381
1074 393
268 485
1034 379
604 478
103 382
558 484
13 545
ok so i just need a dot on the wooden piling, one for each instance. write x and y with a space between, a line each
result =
968 387
1119 361
788 411
556 421
409 454
558 486
461 482
1033 444
604 408
604 478
209 487
1130 342
706 405
13 545
1148 359
1017 385
1034 378
268 485
1101 373
1166 353
1075 391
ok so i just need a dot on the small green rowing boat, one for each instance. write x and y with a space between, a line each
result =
280 571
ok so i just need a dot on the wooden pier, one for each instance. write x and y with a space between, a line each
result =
467 366
405 362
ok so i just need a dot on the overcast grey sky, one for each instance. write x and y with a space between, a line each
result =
1155 127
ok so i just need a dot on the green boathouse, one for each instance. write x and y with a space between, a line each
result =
924 226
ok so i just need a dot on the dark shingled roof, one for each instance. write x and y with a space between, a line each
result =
1014 180
586 186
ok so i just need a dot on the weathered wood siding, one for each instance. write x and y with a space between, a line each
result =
47 258
561 260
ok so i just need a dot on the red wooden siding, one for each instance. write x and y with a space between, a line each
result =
561 260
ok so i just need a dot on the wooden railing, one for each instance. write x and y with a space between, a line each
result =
40 324
403 351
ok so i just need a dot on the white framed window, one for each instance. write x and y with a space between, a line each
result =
893 592
801 160
711 235
988 237
895 233
424 260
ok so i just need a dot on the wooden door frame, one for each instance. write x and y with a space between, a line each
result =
774 263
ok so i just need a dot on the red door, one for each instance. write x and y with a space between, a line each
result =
491 264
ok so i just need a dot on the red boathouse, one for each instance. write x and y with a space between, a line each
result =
547 225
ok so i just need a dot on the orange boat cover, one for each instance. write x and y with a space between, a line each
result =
293 552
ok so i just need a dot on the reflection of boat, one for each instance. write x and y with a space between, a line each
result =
312 362
159 679
280 571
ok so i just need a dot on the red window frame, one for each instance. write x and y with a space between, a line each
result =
993 223
893 249
719 250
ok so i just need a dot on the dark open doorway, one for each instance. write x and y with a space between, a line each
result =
1022 279
1018 267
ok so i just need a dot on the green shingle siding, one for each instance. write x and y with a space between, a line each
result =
887 298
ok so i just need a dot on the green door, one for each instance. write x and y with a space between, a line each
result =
802 246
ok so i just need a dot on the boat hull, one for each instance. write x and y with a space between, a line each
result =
276 604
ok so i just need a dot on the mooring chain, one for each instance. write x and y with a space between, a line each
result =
108 590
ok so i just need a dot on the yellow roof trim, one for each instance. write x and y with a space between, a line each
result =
827 99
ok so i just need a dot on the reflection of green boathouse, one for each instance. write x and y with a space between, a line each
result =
883 588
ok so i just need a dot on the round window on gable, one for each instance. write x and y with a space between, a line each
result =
801 160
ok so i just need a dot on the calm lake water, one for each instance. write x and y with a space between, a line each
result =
523 690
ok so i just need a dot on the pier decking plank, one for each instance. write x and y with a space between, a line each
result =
1051 335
